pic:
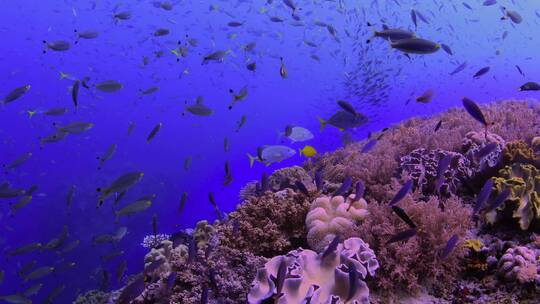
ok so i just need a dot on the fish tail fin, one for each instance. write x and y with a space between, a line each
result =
30 113
323 124
251 160
301 151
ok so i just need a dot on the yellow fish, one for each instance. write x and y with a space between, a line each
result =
308 151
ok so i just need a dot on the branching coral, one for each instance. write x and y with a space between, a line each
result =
421 166
409 265
316 278
226 272
330 217
523 203
519 264
268 225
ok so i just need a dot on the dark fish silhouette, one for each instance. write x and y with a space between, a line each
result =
402 192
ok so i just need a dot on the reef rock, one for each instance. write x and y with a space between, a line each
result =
330 217
308 276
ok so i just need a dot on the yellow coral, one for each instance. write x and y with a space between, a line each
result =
523 180
474 244
519 151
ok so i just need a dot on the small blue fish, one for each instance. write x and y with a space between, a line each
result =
402 236
501 198
331 247
483 196
319 180
353 282
402 192
344 187
444 163
300 186
450 245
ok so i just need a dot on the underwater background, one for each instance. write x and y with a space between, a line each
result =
327 49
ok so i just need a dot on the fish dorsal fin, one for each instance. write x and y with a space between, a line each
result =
200 100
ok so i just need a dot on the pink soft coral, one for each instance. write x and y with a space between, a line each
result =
407 266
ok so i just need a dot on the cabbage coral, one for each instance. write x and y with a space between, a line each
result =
523 203
519 151
330 217
316 278
421 165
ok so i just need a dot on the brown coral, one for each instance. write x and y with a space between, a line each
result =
269 225
407 266
226 272
519 151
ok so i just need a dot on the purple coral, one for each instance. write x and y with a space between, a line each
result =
310 277
421 166
474 142
519 264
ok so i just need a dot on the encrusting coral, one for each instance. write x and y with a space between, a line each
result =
203 232
329 217
304 275
519 264
523 203
408 266
269 225
421 166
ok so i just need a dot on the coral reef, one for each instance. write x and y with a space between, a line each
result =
452 256
408 266
523 203
329 217
316 278
519 264
511 120
269 225
279 180
421 166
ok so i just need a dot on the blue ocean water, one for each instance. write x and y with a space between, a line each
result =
380 82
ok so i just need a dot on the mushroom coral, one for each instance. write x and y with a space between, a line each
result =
317 278
523 204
